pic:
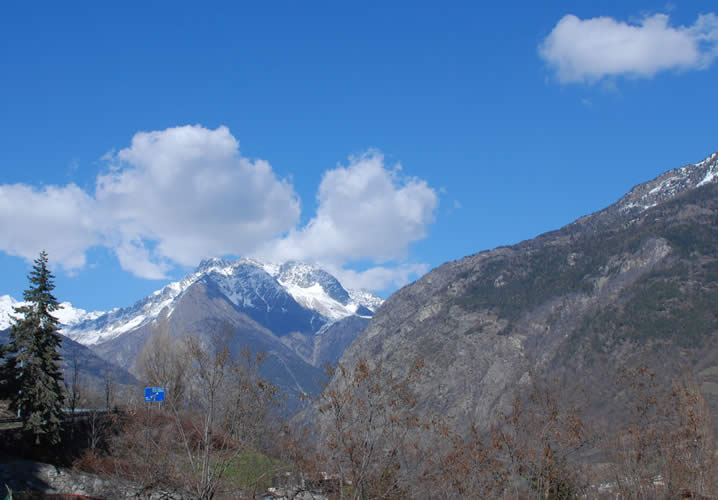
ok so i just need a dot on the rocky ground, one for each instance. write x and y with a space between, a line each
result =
27 476
37 477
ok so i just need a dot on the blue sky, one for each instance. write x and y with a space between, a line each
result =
379 139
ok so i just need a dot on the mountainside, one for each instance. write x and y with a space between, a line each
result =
93 370
298 314
203 311
292 297
636 283
329 343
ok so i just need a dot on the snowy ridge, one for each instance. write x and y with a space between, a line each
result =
66 315
314 297
119 321
670 184
247 283
6 305
366 298
318 290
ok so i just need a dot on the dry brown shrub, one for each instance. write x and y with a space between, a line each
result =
667 449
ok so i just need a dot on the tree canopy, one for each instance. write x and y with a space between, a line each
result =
31 370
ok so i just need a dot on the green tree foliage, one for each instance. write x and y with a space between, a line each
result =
33 376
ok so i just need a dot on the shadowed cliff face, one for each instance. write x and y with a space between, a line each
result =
636 283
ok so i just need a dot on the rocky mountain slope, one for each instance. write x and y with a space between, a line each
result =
297 313
292 297
636 283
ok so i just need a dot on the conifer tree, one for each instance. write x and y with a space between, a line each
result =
32 371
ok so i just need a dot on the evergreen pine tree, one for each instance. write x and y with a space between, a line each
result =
32 371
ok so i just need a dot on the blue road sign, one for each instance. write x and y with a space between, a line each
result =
154 394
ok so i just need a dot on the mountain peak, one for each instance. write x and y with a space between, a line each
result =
647 195
304 275
630 285
253 286
670 184
207 265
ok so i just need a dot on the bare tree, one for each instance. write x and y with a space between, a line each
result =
73 390
368 422
110 388
227 402
667 447
165 363
97 425
539 441
459 466
218 406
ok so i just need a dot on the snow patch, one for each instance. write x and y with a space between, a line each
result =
316 299
67 315
708 178
6 309
366 298
680 180
94 328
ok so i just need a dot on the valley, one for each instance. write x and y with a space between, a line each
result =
580 331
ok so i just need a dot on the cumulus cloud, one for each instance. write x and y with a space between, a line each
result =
366 211
379 277
589 50
61 220
189 190
178 195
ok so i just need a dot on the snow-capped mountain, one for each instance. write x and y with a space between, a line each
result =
670 184
92 368
299 315
289 297
366 299
67 314
647 195
6 308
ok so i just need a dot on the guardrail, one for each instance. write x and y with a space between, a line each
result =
84 412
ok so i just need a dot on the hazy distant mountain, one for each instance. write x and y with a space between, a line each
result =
92 369
67 314
634 283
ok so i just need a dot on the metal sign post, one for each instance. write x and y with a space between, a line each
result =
154 394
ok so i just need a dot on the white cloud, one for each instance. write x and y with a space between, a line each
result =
379 277
137 259
59 219
189 190
178 195
366 211
593 49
